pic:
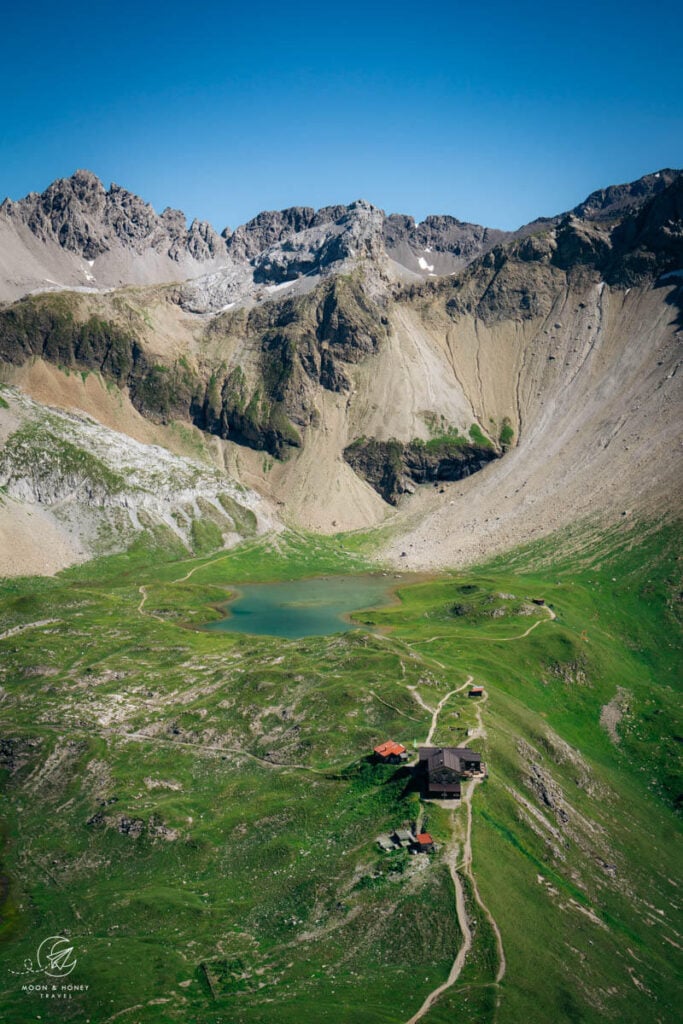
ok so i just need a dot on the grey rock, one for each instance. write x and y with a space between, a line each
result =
393 468
84 218
268 228
132 827
442 234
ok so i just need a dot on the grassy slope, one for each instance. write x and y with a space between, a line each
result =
265 892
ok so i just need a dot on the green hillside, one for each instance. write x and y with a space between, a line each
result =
198 814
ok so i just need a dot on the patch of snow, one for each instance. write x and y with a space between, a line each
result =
428 249
91 263
432 275
601 287
224 309
424 265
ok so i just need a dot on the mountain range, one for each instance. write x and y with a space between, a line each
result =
337 361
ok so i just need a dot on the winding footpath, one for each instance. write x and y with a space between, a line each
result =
141 737
28 625
143 590
490 639
463 865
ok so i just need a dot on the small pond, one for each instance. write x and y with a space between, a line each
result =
298 608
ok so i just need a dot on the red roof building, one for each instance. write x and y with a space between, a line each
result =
391 752
425 841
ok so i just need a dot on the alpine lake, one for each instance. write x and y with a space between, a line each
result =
308 607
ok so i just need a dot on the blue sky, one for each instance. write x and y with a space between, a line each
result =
495 113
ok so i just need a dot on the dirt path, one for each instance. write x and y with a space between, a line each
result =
488 639
464 865
29 625
143 590
451 860
396 641
211 561
459 961
435 712
480 733
393 708
142 738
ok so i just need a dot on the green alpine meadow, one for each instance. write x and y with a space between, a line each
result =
198 811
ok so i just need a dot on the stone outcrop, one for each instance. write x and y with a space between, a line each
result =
393 468
85 218
441 234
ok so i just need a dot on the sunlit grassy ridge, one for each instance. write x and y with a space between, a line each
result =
195 810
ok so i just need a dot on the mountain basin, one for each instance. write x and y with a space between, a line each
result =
309 607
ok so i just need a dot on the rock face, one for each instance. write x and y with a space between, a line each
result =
79 235
520 280
103 488
618 199
284 354
289 352
393 468
274 226
439 243
294 249
84 218
607 204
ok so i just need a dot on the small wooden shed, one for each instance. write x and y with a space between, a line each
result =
424 843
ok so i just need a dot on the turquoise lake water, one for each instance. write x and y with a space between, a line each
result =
298 608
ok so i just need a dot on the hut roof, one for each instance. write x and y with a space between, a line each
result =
444 757
388 748
465 754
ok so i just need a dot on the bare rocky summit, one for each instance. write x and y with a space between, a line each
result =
84 218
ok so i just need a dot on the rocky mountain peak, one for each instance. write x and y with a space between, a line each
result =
363 205
324 243
84 218
86 178
616 199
